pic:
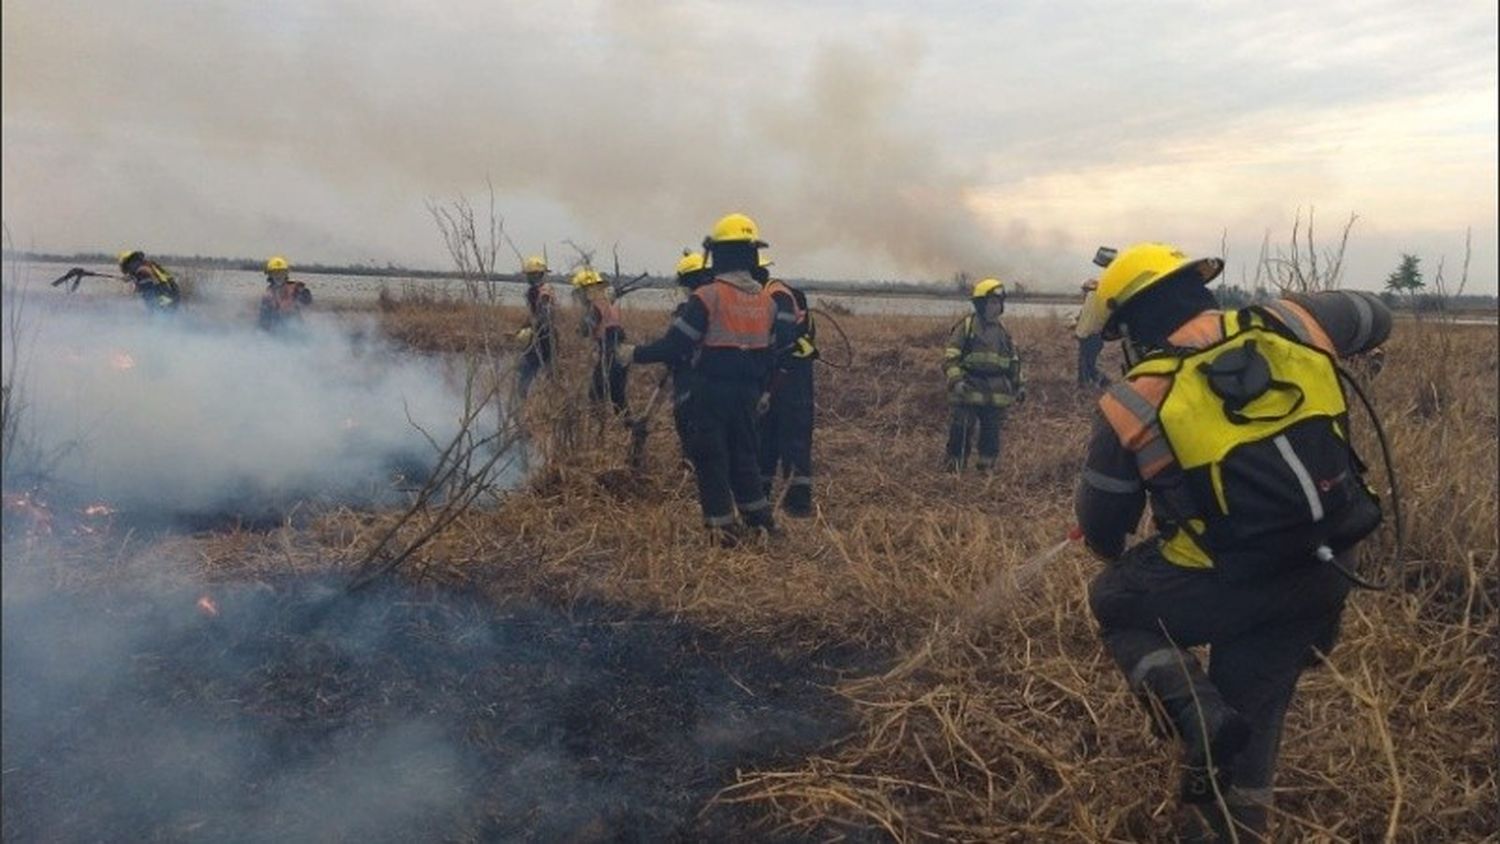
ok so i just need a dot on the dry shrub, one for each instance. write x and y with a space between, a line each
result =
1023 729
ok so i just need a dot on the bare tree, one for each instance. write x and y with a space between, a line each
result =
1302 266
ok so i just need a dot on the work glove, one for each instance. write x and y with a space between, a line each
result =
625 354
524 336
1020 395
763 404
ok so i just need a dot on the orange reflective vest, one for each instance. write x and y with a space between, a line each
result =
606 315
737 319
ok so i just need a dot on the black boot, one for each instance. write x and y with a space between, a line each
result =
761 520
797 502
1211 731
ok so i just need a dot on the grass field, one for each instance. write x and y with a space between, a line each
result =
1020 728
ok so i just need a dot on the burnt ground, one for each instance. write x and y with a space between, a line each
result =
397 714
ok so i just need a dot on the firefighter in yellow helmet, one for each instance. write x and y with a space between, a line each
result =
786 429
284 299
154 285
601 324
984 378
725 330
538 337
1233 426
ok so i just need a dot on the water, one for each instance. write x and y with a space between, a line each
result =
229 291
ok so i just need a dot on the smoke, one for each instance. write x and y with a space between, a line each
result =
178 415
308 128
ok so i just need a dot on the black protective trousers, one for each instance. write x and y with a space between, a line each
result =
786 431
1261 635
608 381
962 423
533 361
719 418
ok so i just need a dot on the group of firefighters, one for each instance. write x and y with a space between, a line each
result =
1232 424
739 352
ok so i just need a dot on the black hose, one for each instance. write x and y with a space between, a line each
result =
1390 471
848 347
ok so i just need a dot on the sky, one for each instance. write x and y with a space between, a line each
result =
868 139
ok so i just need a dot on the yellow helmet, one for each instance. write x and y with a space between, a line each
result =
736 228
534 264
1142 267
690 262
587 277
986 287
124 258
277 264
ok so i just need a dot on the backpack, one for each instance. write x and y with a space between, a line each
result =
1258 423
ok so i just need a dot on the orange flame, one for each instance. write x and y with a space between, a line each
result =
207 606
122 361
99 509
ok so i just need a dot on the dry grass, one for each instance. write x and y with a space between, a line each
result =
1023 730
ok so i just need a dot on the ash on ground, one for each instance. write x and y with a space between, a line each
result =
288 712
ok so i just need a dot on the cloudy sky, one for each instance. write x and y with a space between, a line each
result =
870 139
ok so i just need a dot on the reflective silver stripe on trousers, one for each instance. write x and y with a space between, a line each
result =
1135 403
682 325
799 480
755 506
783 316
1314 503
1105 483
1239 795
719 521
1168 657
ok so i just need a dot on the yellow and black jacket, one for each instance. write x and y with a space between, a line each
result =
981 364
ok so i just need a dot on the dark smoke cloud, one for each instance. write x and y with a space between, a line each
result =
643 121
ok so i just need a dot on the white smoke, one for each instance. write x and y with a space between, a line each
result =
177 415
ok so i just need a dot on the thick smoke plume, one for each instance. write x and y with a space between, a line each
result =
184 415
642 122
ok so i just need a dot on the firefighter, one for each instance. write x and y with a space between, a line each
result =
601 324
692 272
156 287
786 429
284 298
1086 330
1233 425
536 337
726 330
984 378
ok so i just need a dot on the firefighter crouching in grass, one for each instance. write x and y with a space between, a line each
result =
726 330
786 429
984 378
537 337
1234 426
601 324
284 298
154 285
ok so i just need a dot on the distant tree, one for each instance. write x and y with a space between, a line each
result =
1407 278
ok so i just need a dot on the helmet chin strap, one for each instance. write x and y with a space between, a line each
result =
1128 346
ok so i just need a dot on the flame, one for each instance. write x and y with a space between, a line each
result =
38 517
207 607
98 509
122 361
